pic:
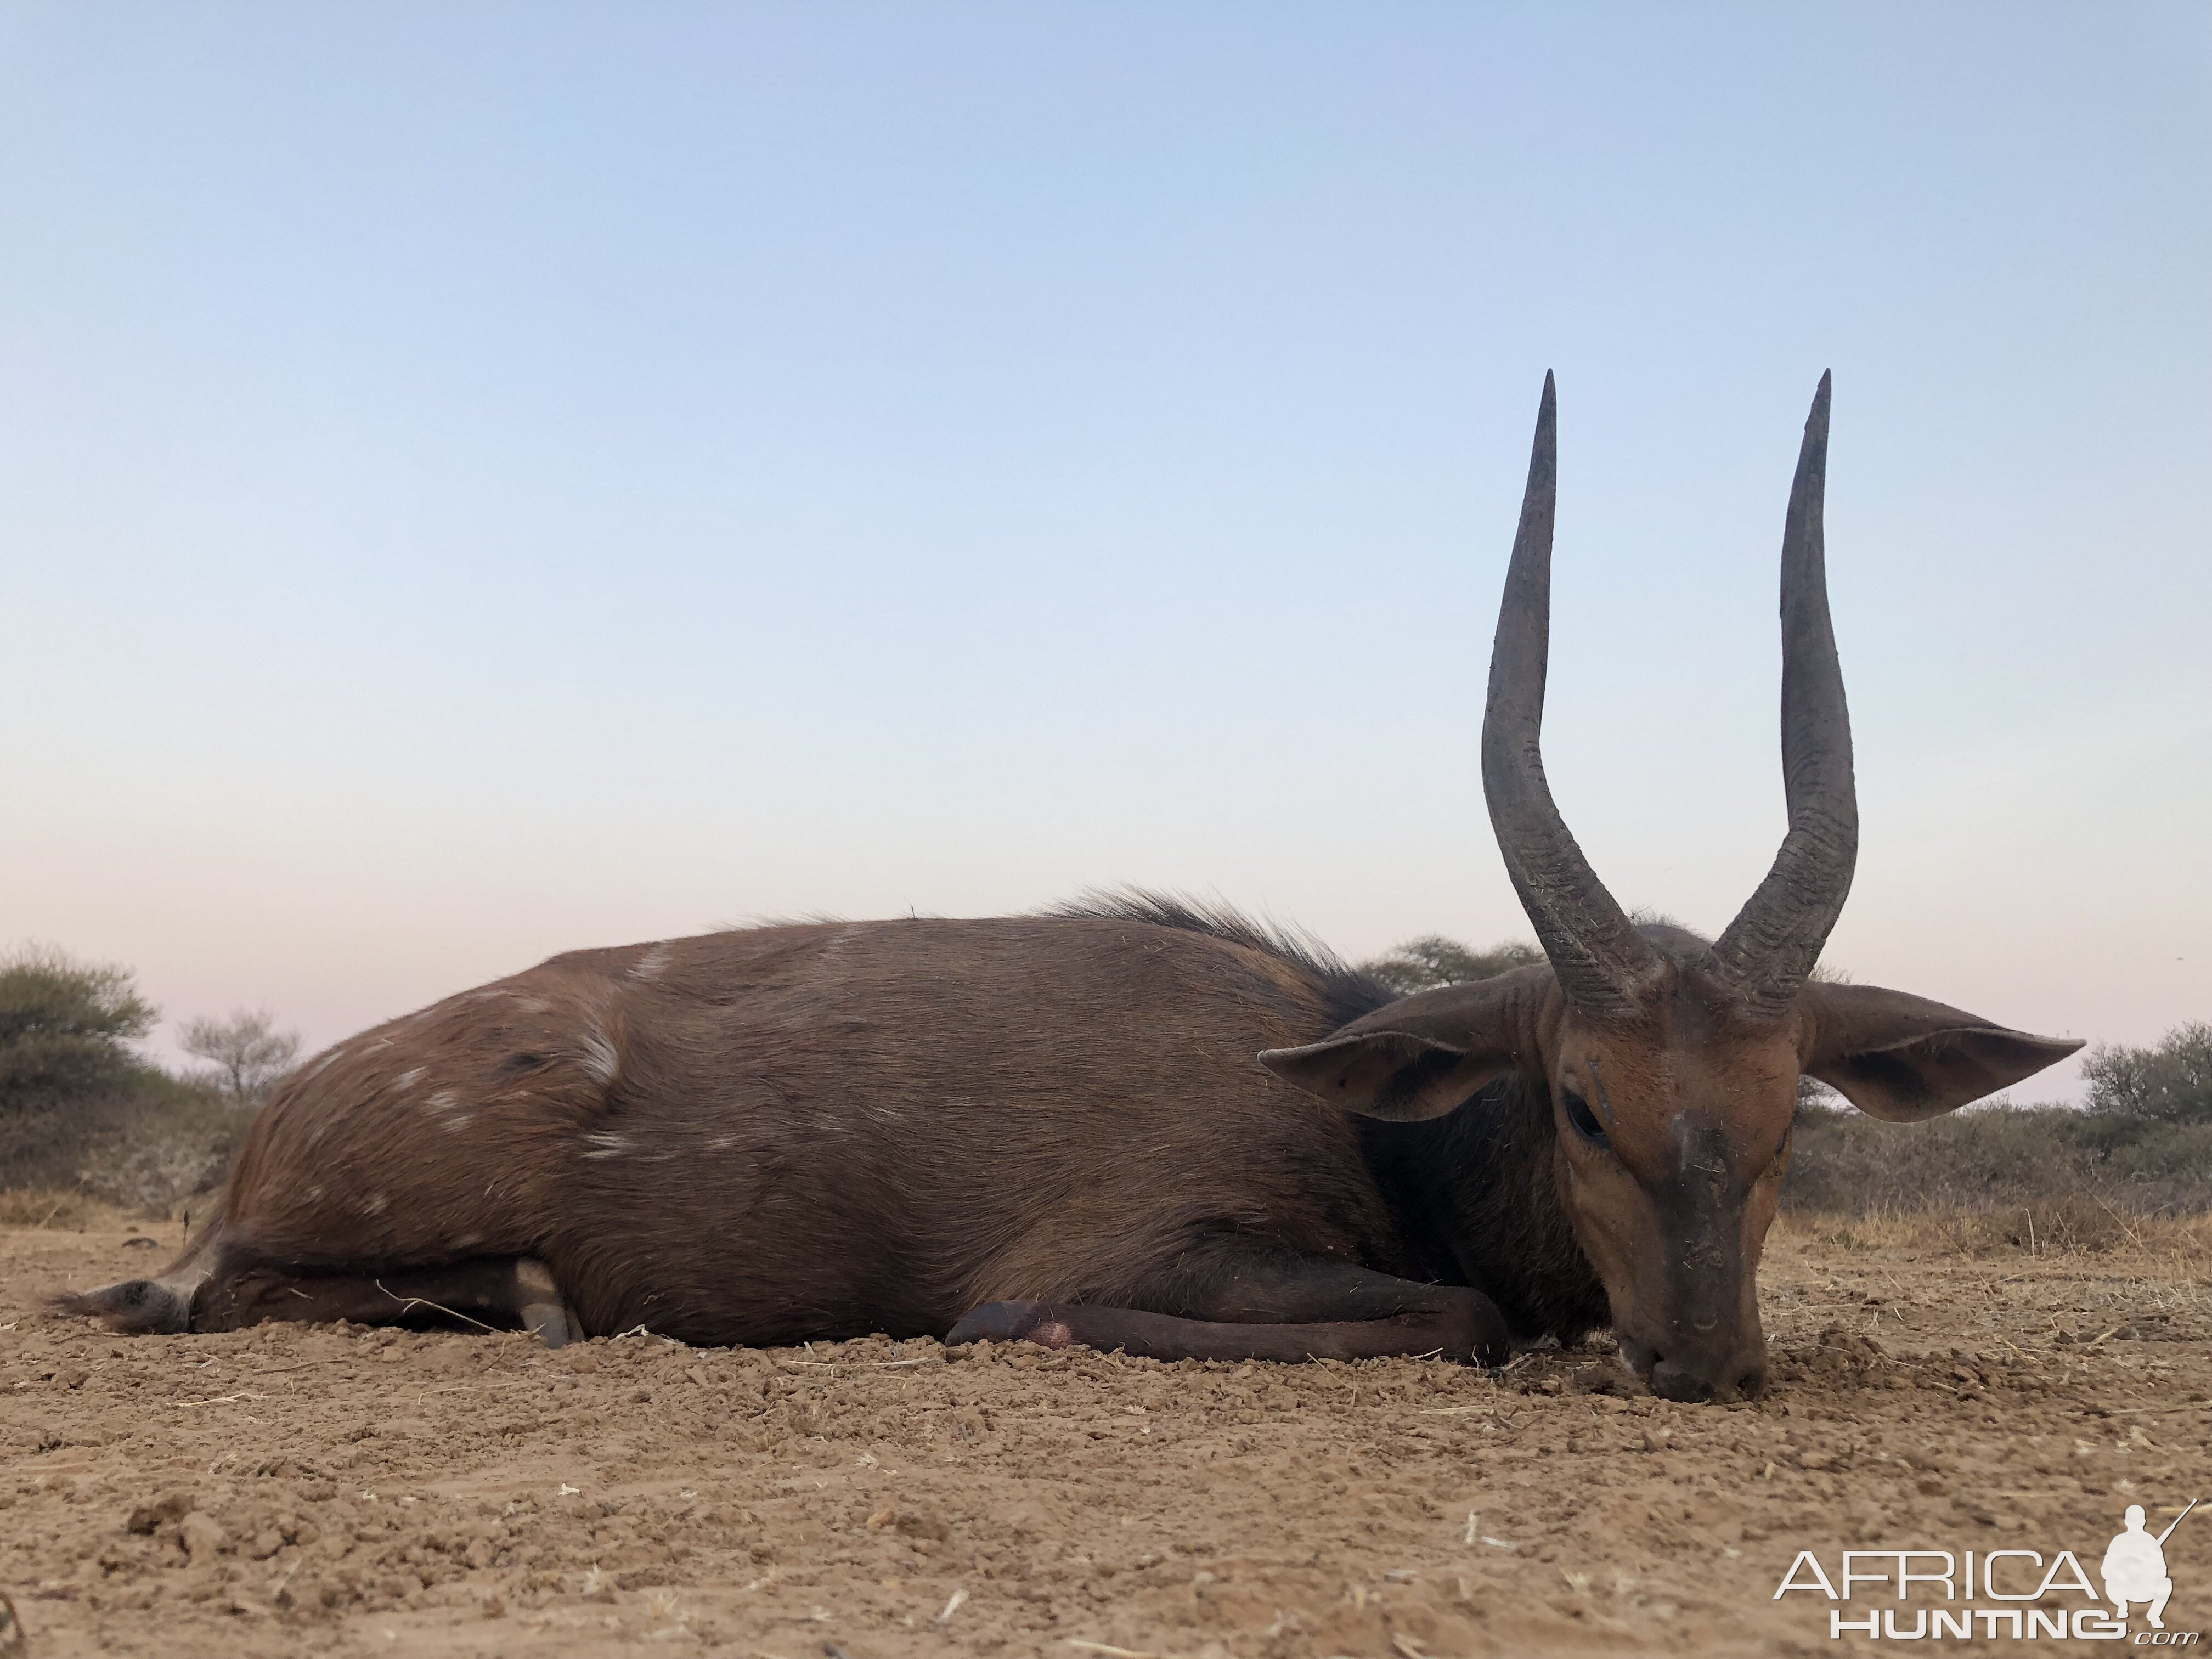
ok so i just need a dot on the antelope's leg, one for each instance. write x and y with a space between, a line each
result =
1272 1307
503 1291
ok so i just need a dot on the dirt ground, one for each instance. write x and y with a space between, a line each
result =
335 1490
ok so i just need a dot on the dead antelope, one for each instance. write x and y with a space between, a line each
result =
1053 1128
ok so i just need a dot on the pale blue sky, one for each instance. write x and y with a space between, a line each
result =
478 481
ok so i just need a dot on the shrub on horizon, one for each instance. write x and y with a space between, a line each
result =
2170 1082
1423 963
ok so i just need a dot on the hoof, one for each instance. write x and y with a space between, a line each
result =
542 1312
549 1322
135 1307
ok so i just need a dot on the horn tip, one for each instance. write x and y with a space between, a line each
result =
1816 423
1548 427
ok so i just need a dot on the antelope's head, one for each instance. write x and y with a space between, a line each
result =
1671 1064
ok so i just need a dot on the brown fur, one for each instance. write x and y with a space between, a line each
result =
818 1130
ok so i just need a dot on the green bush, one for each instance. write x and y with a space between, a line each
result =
79 1109
64 1028
1423 963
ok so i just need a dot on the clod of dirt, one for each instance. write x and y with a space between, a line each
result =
1607 1380
204 1537
146 1517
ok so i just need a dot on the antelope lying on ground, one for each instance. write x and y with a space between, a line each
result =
1054 1127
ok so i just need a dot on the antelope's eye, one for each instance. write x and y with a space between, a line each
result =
1584 1120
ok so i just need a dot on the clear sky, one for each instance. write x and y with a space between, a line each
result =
480 481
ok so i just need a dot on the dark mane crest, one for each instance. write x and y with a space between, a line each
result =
1349 993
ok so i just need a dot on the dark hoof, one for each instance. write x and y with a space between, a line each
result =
136 1306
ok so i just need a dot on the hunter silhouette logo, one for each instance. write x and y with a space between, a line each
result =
2135 1567
2033 1596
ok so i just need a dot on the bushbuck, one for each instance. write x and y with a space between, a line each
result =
1055 1128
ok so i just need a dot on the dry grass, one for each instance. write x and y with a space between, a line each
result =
66 1209
1995 1156
2073 1224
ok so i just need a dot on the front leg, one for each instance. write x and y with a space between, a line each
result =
1272 1306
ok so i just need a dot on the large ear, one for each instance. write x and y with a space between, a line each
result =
1904 1057
1421 1056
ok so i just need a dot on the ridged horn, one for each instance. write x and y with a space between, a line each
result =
1767 952
1603 965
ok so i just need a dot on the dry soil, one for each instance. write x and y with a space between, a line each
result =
336 1490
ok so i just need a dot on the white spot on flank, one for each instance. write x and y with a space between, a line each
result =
608 1145
315 1193
650 964
447 1105
598 1057
532 1005
467 1242
721 1143
410 1077
375 1203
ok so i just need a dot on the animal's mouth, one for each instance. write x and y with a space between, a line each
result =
1696 1379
